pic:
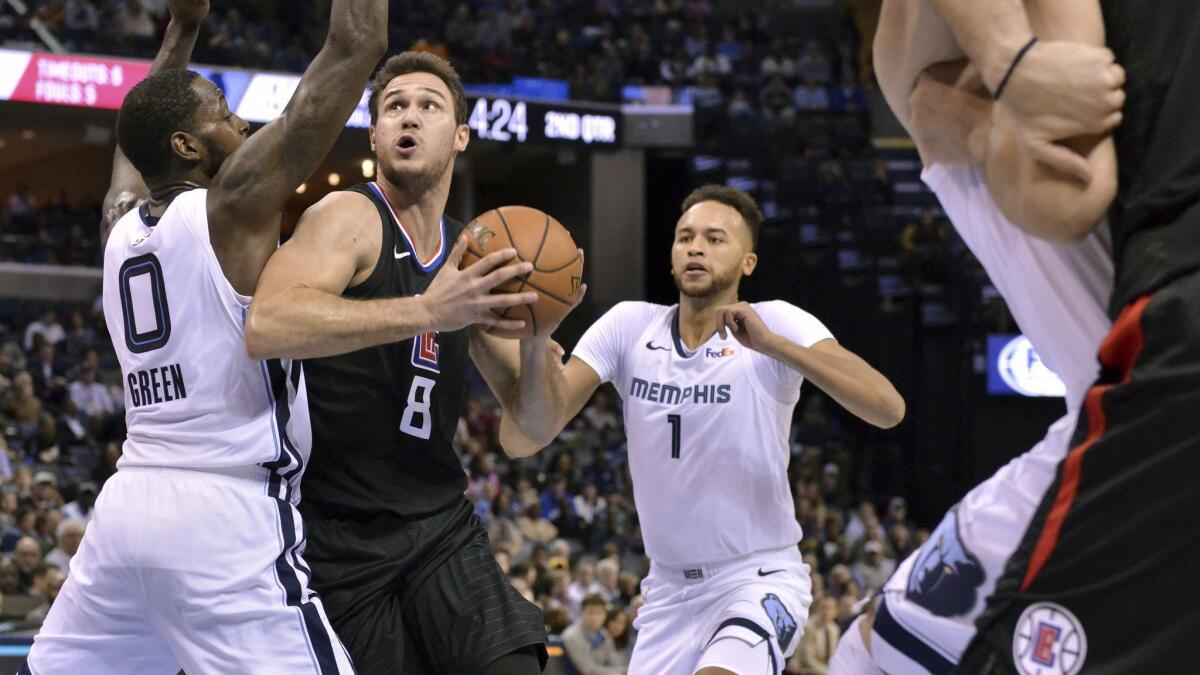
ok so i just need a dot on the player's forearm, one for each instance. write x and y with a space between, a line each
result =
991 32
178 41
856 386
538 400
306 323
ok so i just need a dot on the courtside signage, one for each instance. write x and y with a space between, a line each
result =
1015 369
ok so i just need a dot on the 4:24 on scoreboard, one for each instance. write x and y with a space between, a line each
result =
507 120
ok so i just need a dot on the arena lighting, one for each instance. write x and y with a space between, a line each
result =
28 134
302 189
368 168
3 143
335 179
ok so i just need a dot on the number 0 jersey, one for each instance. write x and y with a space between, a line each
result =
708 430
194 398
383 418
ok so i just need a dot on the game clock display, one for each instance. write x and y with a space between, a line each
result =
508 120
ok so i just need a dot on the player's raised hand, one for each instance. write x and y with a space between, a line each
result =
745 324
1062 90
458 298
188 11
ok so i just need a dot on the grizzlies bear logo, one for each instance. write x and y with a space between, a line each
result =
946 577
781 618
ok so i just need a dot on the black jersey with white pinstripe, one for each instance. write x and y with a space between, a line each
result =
383 418
1156 218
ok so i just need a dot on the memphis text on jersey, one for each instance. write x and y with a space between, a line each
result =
661 392
156 385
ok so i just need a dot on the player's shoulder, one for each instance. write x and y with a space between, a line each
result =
638 311
341 213
778 309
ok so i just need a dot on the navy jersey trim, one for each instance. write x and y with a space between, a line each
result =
679 348
908 644
319 639
753 628
433 264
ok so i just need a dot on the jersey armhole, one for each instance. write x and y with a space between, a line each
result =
369 285
235 303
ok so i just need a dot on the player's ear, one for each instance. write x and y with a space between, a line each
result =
371 136
462 136
749 262
186 146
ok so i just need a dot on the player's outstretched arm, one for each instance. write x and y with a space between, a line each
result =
577 383
837 371
910 38
298 311
1058 90
248 192
127 188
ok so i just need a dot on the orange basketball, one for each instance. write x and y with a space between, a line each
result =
539 239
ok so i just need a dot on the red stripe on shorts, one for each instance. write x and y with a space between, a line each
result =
1117 353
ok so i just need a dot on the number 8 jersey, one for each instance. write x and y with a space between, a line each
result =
708 430
194 398
383 418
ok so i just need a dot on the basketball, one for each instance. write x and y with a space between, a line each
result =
541 240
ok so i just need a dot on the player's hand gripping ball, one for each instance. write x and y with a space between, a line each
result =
557 275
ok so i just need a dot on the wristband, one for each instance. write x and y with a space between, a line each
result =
1013 66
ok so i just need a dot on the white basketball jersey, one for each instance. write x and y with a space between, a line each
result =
1056 292
708 430
193 397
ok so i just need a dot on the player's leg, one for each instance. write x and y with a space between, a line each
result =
1109 537
460 611
231 591
853 655
667 632
354 566
97 623
754 622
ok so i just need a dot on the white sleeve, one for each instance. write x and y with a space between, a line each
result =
604 345
790 322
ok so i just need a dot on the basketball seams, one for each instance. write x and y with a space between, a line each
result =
560 267
542 243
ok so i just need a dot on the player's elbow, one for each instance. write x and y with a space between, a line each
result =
260 342
891 410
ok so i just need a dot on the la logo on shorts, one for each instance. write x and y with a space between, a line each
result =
1049 640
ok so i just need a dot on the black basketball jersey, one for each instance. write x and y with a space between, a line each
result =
1156 217
383 418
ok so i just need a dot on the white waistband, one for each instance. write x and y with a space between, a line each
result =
702 572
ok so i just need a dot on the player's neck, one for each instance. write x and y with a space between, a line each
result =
698 317
419 213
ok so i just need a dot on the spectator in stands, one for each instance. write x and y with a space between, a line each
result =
833 491
534 527
21 207
92 398
557 619
874 569
628 585
85 500
811 96
740 108
924 247
814 63
10 579
44 493
68 537
900 541
589 647
137 24
819 641
673 69
8 505
710 64
49 584
616 623
608 572
778 62
6 470
775 99
81 20
48 327
80 339
881 190
581 586
864 524
848 97
49 377
23 406
27 556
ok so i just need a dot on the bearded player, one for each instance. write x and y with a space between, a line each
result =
709 386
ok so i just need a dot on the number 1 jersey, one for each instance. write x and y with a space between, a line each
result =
383 418
707 430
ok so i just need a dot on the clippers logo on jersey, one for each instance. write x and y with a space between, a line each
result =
425 352
661 392
946 577
1049 639
719 354
781 618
